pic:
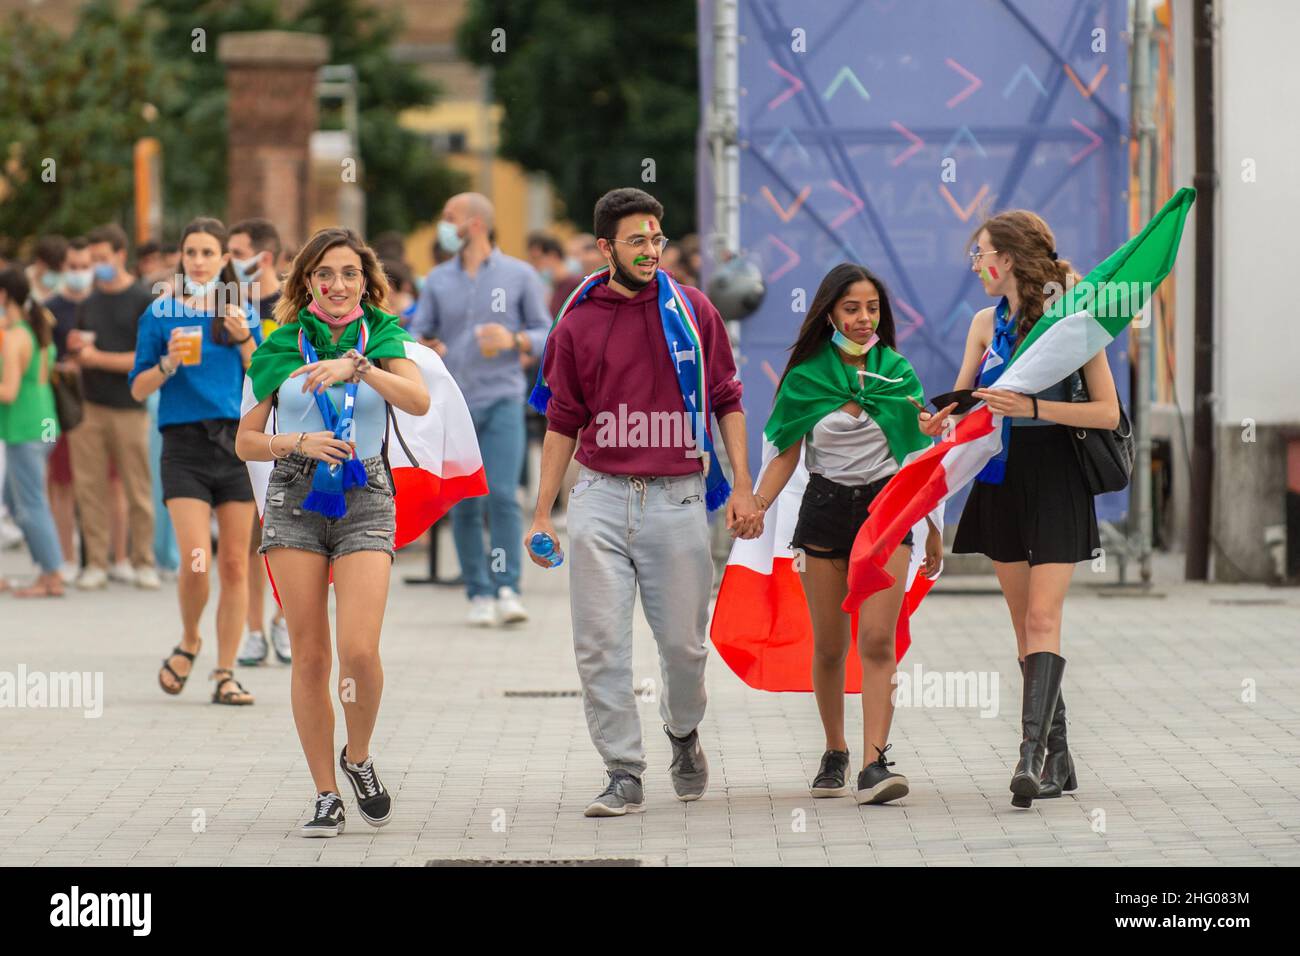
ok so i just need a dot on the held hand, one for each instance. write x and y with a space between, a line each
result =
933 554
744 518
321 375
176 349
495 336
1002 402
544 526
323 446
932 424
236 323
87 357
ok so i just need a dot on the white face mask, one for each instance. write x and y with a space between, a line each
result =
78 280
246 269
200 288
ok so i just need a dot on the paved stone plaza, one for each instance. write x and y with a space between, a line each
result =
1174 766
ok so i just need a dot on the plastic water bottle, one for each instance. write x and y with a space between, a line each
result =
543 545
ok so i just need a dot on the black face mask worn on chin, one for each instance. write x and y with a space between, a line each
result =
628 280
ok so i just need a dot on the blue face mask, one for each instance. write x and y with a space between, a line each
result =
105 272
448 237
51 280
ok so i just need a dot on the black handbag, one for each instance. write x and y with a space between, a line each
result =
1105 455
67 398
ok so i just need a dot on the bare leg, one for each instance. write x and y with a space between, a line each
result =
233 519
877 625
1014 579
63 506
824 587
256 580
361 595
1048 584
192 519
303 580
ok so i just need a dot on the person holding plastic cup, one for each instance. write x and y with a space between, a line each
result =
194 345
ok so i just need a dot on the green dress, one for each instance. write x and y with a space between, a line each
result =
31 416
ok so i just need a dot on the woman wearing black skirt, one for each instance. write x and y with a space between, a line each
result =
1030 510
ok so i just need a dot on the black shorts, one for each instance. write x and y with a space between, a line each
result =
1042 512
199 461
831 514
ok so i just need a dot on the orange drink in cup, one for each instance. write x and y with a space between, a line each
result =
192 338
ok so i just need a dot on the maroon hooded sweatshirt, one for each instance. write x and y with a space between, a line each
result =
610 351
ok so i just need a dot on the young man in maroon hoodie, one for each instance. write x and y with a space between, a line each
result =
637 515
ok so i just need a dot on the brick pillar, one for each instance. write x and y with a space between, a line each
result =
271 81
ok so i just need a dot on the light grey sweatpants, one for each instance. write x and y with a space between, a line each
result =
626 532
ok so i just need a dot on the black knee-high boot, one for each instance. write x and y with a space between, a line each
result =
1058 770
1043 672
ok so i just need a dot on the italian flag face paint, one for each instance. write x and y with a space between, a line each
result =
989 273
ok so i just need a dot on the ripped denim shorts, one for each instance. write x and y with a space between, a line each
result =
369 525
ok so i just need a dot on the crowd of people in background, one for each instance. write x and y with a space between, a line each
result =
82 449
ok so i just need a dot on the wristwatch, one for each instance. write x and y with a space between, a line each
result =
167 372
518 336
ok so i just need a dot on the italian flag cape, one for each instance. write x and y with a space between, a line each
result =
1078 325
435 461
761 626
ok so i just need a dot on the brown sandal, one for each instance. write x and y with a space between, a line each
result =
230 696
177 651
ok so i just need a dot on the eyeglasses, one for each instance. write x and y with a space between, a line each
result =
327 276
975 257
642 244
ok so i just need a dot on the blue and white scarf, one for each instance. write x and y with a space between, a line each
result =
680 329
994 364
331 481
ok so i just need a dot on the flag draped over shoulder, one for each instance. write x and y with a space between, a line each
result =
761 626
435 457
1078 325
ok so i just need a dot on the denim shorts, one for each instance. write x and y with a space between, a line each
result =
831 514
369 524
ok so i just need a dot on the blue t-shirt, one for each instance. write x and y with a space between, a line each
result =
212 389
297 412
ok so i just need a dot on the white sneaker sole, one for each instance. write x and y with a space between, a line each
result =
882 792
322 831
600 810
518 617
819 792
373 821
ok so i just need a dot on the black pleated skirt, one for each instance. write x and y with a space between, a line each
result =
1042 512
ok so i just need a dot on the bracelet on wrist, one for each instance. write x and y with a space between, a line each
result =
297 446
271 446
167 372
246 338
1034 398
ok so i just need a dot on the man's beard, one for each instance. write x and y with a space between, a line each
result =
627 280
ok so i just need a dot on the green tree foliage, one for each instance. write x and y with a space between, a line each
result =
71 109
591 90
82 100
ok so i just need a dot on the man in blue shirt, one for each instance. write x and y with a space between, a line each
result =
483 312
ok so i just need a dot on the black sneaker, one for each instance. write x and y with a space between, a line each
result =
373 801
327 816
832 775
877 783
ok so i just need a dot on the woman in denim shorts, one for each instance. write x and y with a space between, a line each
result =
331 369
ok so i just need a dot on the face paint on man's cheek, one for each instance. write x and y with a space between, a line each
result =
640 259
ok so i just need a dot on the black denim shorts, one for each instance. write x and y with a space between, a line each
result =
831 514
369 524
